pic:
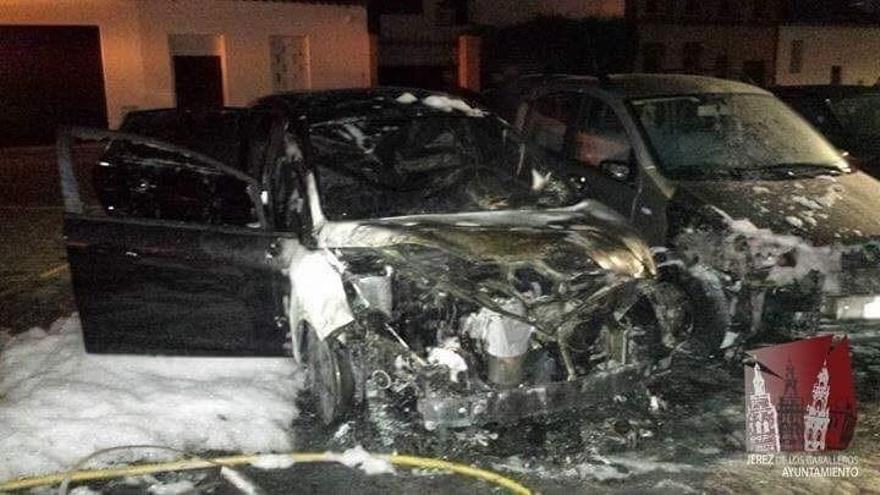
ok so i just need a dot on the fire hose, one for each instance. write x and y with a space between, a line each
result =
64 479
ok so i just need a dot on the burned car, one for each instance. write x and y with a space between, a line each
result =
738 191
396 242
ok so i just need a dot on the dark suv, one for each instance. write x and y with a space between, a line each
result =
758 208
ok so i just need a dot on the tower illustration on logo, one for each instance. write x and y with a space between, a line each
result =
816 419
791 414
761 417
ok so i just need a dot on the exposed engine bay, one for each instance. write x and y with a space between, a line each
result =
483 317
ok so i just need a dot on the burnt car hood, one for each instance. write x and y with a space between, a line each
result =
823 210
556 236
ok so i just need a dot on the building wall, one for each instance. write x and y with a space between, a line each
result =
855 49
137 55
420 40
739 43
506 12
729 33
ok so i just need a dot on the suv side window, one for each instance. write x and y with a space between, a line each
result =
550 118
600 135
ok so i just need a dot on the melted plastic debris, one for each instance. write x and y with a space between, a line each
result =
448 104
359 458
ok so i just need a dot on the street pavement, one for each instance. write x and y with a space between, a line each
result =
34 281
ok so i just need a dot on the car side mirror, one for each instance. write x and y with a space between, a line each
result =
619 170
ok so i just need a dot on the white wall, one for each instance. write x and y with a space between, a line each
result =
137 56
337 38
855 49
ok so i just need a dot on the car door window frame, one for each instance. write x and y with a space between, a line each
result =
589 102
569 123
73 203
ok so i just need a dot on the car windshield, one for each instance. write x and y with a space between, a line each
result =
733 136
384 166
859 115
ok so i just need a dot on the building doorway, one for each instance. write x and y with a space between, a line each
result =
198 70
198 81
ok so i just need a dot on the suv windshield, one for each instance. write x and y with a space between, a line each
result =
732 136
384 166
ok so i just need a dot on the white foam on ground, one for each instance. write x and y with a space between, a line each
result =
59 404
358 458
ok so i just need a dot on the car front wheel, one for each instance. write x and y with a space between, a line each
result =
331 382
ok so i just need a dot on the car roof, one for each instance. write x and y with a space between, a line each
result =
824 91
653 85
329 105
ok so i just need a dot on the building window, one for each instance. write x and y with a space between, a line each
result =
652 57
692 58
452 12
836 75
797 57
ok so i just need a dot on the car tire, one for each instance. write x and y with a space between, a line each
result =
330 378
708 318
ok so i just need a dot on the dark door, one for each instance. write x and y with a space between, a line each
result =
168 256
198 81
49 76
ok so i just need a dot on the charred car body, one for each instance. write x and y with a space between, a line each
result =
402 243
757 208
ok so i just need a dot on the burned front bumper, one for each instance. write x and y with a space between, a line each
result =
439 410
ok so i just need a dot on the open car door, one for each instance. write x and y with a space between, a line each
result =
169 250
